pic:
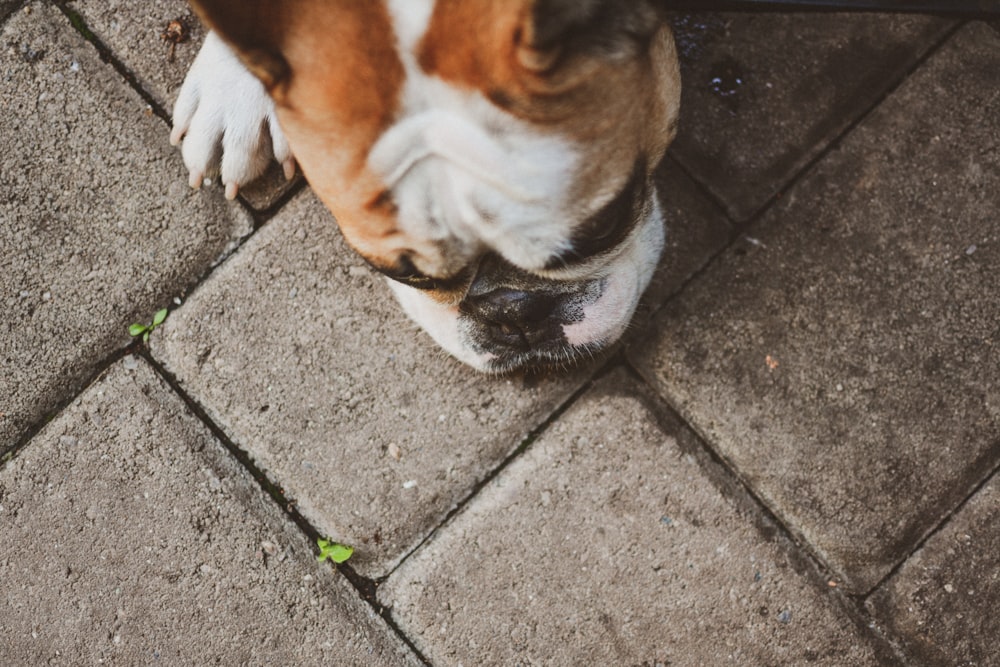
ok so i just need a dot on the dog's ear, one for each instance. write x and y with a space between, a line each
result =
254 28
604 28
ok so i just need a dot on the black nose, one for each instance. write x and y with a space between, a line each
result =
515 319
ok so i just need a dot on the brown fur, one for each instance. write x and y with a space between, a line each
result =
337 87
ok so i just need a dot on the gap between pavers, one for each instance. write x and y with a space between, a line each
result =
132 537
614 540
98 229
297 350
844 362
766 93
942 603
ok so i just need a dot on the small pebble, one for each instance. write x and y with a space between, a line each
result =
409 484
948 588
394 451
785 616
971 249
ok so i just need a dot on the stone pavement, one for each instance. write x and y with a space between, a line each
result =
791 460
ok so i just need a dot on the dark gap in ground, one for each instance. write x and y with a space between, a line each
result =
817 573
741 229
833 144
108 57
9 454
941 523
365 587
613 362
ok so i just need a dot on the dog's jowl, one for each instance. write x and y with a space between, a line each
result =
493 159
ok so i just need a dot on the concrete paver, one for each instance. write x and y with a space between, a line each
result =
134 33
839 359
696 230
98 231
132 537
941 602
349 381
133 30
844 362
765 93
613 541
300 352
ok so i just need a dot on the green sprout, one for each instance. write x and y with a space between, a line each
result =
336 552
145 329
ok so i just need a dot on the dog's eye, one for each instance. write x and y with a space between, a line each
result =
610 226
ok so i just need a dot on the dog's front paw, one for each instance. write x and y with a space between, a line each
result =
226 119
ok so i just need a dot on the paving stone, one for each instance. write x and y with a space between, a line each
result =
301 354
134 33
131 537
612 541
765 93
696 230
91 239
844 358
942 601
133 30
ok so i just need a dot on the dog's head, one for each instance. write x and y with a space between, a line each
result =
493 158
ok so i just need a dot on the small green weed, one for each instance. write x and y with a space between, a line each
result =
145 329
338 553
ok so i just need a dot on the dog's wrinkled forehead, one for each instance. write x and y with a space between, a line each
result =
440 130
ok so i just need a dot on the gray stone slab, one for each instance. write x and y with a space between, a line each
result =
97 230
844 360
133 31
612 541
301 354
131 537
765 93
942 603
696 230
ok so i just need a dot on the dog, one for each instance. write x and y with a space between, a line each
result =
492 158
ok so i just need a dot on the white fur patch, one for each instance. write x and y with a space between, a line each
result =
226 119
463 169
410 19
628 276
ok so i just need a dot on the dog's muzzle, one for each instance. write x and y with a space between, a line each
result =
508 318
511 314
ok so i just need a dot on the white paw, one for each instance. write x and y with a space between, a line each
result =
227 121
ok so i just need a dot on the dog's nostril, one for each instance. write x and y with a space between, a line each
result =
513 318
510 308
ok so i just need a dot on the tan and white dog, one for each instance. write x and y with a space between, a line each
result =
492 157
